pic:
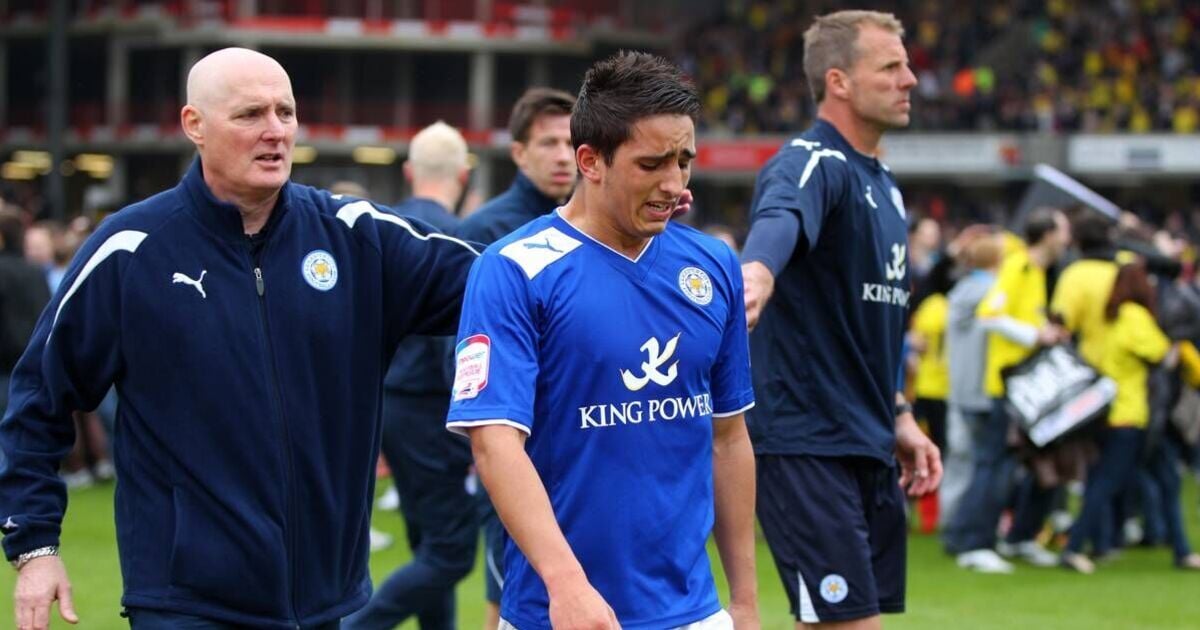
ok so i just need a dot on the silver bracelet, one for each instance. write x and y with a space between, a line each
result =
40 552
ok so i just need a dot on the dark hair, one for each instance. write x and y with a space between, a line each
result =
538 101
1039 223
623 89
12 230
1092 231
1132 285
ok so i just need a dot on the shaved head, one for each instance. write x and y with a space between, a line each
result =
213 75
241 115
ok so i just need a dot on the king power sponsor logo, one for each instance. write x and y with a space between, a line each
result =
638 411
654 409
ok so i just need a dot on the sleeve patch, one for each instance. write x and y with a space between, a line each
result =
472 358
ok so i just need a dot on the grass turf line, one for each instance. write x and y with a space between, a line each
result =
1138 590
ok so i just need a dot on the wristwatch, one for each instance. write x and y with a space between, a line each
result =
40 552
903 408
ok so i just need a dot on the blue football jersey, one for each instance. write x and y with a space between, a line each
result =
616 369
827 346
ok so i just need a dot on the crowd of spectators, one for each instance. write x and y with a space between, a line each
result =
34 254
1062 65
1126 296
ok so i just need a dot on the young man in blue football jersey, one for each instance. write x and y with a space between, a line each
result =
602 374
826 274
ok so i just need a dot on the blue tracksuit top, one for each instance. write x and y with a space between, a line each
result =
422 365
509 210
249 387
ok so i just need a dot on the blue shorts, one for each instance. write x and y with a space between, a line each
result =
837 529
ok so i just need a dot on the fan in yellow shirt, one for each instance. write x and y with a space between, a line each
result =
1014 313
1134 343
1084 286
932 380
1014 310
931 384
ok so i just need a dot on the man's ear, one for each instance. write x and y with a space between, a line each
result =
591 164
837 83
407 169
516 150
191 120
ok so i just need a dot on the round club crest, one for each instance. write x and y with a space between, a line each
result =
834 588
319 270
695 285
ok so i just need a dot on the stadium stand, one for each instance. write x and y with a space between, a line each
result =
1096 67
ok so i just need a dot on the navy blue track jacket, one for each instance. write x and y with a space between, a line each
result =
506 212
249 386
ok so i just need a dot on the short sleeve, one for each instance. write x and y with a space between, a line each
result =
495 359
732 388
808 182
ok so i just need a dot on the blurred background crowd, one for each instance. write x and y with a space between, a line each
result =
1124 65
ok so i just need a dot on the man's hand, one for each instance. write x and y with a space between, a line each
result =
920 460
576 605
745 617
968 235
1052 334
759 285
40 582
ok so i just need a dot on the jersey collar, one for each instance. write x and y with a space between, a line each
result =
224 219
637 267
835 137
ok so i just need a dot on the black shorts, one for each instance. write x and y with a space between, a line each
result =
837 529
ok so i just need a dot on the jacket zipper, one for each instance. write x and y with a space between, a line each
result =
290 472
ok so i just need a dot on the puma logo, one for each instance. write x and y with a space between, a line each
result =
545 245
179 278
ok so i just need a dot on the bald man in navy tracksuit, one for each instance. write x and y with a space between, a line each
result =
246 322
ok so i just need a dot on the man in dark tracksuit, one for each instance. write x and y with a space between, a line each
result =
540 125
246 322
23 295
429 464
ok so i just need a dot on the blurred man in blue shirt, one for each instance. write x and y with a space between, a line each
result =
540 126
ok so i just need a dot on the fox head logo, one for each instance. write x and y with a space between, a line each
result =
897 269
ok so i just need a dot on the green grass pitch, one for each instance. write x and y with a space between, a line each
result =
1137 590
